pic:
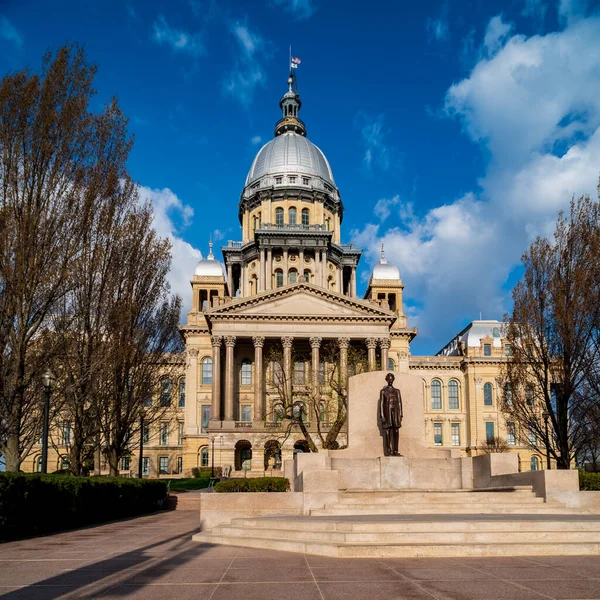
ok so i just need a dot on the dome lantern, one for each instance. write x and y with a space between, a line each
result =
383 270
290 106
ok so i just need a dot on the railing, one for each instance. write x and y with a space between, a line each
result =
234 244
243 424
291 121
347 246
289 227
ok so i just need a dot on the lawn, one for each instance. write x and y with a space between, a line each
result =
190 483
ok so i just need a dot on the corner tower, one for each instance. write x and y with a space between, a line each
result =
291 214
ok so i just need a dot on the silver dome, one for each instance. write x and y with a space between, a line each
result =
290 153
209 267
385 271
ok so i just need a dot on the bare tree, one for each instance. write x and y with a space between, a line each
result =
495 444
553 332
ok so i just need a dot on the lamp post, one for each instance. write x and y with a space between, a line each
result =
141 462
48 380
212 459
546 416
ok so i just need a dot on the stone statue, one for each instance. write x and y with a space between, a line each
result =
390 411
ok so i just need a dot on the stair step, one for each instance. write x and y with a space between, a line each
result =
474 499
451 509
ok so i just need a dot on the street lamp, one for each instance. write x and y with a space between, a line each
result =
140 464
546 416
48 380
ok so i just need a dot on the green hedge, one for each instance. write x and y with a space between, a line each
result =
589 481
258 484
37 504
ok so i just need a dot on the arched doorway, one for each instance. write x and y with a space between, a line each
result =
243 455
301 446
273 451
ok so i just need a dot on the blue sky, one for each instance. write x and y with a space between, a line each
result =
455 130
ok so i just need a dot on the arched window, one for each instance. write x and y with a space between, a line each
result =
181 403
436 395
305 216
279 216
207 373
204 457
487 394
292 216
534 463
246 372
293 276
391 364
307 275
529 395
327 224
38 464
278 278
453 403
165 392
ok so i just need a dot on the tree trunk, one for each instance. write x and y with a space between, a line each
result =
113 462
11 453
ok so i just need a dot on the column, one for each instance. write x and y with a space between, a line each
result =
243 284
269 274
344 344
315 344
191 391
324 268
229 376
285 266
353 283
259 412
338 282
215 409
230 279
384 343
317 273
301 258
287 342
371 346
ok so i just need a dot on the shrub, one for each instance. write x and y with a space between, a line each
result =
259 484
34 504
589 481
206 471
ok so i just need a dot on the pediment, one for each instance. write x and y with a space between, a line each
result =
301 301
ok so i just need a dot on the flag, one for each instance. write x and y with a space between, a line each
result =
295 62
294 66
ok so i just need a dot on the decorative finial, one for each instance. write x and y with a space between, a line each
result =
383 261
290 105
210 256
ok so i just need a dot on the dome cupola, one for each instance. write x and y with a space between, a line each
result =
210 266
385 271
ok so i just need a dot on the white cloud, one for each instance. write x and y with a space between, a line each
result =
536 9
571 10
496 33
382 207
178 40
300 9
168 211
438 28
256 140
377 153
9 32
534 107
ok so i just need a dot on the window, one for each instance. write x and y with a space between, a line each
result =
277 373
180 433
529 393
453 395
278 279
246 413
307 275
487 349
279 216
181 403
391 364
299 411
305 181
299 373
455 434
436 395
205 417
125 463
146 434
489 431
321 372
487 394
437 434
305 217
66 434
163 465
507 350
246 372
207 369
145 466
534 463
180 465
278 179
293 276
38 464
532 439
292 178
322 412
165 392
511 438
508 394
148 399
163 438
496 332
204 457
292 215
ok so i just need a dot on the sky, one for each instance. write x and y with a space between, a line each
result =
456 131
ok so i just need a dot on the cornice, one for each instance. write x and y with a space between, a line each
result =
303 318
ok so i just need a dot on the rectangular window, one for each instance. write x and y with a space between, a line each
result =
65 463
437 434
292 178
489 431
165 392
182 393
180 433
511 438
305 180
487 349
246 372
145 466
246 412
508 394
456 434
163 438
436 395
163 465
299 378
125 463
146 434
148 399
66 434
321 372
507 350
205 417
453 395
278 180
532 439
180 465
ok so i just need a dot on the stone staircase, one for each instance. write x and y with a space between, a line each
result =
398 523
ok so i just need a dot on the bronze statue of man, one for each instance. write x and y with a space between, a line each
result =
390 410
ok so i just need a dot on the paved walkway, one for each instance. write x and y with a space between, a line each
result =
153 557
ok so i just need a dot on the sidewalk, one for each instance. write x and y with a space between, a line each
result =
153 558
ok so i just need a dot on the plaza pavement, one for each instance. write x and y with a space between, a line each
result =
153 557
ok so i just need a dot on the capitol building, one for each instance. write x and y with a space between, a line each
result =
288 289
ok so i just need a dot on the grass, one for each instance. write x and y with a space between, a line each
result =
190 483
